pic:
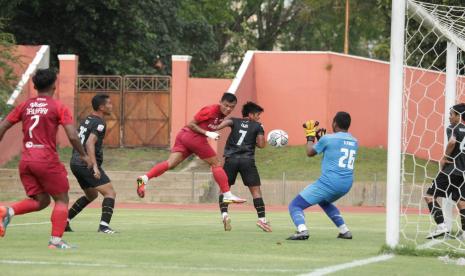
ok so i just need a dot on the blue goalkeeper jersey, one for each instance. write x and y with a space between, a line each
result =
339 152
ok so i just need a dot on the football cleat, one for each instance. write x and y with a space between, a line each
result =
264 226
68 228
4 219
61 245
347 235
233 199
227 223
299 236
141 182
439 231
106 230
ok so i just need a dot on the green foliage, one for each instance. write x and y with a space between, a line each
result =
7 75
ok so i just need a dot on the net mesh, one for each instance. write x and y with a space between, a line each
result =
424 118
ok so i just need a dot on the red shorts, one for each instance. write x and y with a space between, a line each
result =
42 177
188 142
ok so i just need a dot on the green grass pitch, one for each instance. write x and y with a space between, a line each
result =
193 242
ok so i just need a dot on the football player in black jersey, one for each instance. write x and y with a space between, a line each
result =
246 134
92 132
450 179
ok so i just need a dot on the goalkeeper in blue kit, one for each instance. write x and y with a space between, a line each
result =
337 169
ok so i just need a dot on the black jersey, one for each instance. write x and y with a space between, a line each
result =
91 124
458 153
243 138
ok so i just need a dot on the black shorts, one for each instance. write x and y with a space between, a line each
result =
445 185
246 167
86 178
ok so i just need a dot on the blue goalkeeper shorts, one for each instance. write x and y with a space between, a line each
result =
318 192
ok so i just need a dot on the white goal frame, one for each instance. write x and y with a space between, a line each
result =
396 88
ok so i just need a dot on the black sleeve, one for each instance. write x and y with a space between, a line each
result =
97 127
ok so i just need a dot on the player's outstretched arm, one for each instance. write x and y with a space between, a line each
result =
90 147
225 123
4 126
76 143
311 129
195 127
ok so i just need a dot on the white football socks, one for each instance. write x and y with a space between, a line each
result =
343 229
302 227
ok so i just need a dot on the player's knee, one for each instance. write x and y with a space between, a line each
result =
44 201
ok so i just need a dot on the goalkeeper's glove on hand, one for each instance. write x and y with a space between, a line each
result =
212 135
311 128
320 133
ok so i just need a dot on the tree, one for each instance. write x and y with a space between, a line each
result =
7 75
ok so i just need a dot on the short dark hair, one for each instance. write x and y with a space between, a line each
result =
43 79
460 109
229 97
98 100
342 120
251 107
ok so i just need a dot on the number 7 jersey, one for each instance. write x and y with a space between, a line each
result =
339 153
40 117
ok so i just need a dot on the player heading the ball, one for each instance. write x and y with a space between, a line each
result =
192 139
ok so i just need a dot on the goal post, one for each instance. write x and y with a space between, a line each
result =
427 67
396 74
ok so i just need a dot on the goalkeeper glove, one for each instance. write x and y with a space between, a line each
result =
212 135
320 133
311 129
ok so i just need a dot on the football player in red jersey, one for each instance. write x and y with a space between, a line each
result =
192 139
41 172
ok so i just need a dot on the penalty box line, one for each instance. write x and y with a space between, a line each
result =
335 268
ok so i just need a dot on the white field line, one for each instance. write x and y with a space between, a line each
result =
334 268
189 224
168 267
29 223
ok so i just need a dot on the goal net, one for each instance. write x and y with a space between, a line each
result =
432 82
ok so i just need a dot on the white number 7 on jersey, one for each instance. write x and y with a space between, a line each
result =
36 119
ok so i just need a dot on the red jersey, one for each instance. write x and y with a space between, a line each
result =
209 117
41 117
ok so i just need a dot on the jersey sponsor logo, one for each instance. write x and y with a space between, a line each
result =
215 123
461 129
36 108
41 99
100 128
244 125
30 145
86 122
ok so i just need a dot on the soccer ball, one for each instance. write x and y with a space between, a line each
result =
277 138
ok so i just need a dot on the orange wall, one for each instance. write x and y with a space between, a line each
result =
292 88
296 86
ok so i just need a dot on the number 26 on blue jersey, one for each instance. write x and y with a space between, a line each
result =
347 159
